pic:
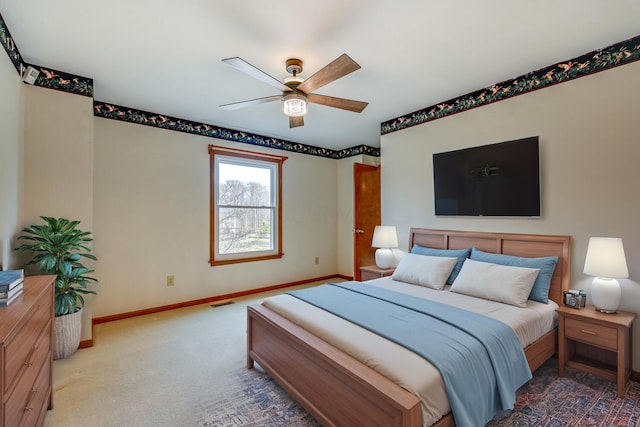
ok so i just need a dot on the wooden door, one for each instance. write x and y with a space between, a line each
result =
366 214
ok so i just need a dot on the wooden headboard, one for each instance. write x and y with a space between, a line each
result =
524 245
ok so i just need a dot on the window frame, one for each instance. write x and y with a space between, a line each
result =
215 258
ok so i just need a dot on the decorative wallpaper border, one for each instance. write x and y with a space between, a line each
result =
9 45
132 115
59 80
598 60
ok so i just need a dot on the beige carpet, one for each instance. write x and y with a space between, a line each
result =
155 370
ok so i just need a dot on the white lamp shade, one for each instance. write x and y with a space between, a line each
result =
385 236
606 261
605 258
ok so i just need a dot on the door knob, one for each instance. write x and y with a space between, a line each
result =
357 230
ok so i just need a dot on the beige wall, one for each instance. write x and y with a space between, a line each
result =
151 220
10 151
58 162
589 146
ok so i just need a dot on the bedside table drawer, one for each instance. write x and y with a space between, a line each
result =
373 272
591 333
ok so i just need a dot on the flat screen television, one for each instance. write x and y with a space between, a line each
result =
491 180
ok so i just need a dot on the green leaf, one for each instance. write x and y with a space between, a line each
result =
58 247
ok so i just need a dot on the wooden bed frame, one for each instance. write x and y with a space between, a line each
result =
339 390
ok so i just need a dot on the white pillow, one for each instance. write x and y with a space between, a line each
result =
424 270
502 283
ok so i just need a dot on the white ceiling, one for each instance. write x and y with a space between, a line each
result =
164 56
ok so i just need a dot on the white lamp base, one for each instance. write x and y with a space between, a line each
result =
605 294
384 258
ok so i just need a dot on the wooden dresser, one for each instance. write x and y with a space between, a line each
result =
26 360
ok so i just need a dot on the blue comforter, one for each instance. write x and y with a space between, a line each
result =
480 359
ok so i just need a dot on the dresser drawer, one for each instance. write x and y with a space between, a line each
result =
25 389
27 407
592 333
21 348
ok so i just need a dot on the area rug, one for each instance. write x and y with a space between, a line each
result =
578 399
256 401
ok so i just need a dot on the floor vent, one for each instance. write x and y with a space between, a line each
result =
221 303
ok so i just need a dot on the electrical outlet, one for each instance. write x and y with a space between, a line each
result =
317 260
171 280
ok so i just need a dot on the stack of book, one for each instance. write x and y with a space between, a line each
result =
10 285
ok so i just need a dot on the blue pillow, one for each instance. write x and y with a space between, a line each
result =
547 265
461 254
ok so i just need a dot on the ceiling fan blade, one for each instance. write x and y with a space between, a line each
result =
245 67
251 102
340 67
330 101
295 122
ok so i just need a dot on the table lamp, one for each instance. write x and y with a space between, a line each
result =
384 238
606 262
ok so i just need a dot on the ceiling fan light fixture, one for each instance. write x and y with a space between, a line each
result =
294 105
297 92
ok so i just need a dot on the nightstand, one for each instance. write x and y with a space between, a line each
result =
596 343
374 272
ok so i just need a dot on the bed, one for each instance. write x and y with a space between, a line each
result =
337 389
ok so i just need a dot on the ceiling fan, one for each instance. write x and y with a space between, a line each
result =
296 91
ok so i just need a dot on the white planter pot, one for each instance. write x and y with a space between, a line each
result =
66 334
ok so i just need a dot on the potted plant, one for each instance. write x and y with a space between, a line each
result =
59 247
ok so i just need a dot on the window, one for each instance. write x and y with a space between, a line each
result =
246 206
